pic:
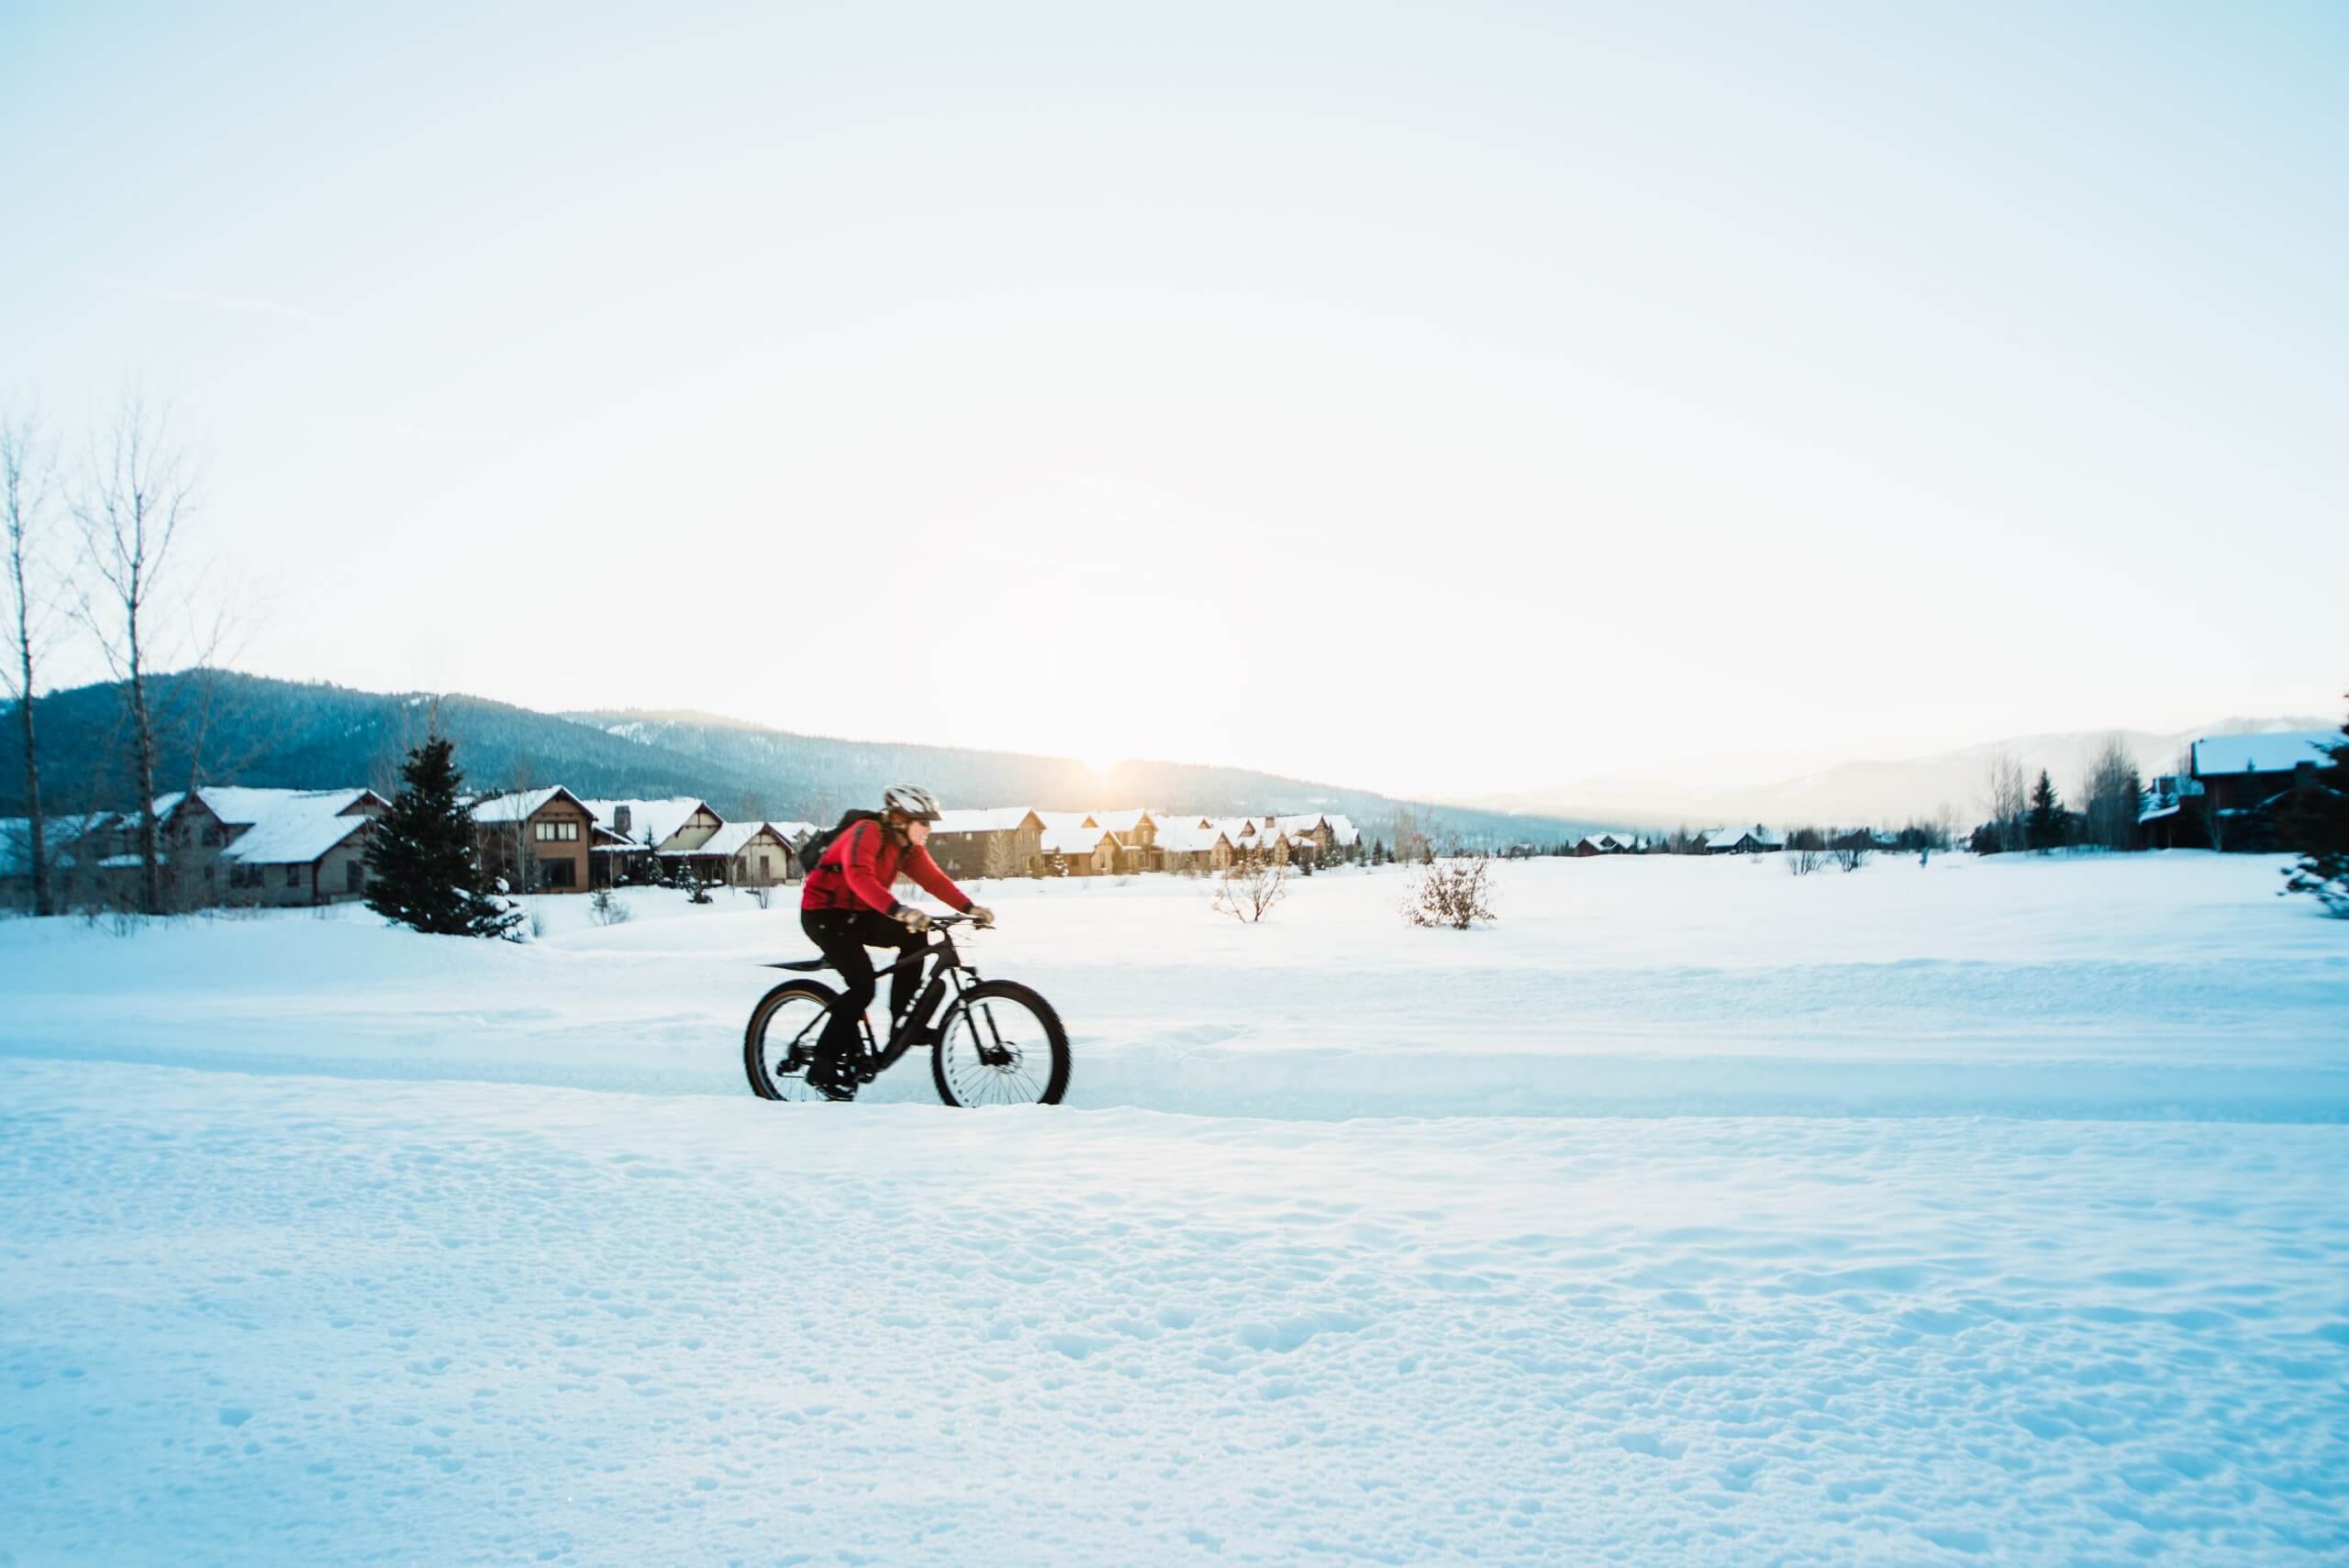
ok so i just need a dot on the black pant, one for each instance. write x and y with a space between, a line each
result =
843 935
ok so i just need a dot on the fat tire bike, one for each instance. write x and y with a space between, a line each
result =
995 1043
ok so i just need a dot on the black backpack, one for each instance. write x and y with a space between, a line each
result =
812 852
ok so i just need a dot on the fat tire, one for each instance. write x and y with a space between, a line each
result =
753 1065
1055 1085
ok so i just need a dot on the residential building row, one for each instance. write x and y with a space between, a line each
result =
1019 840
229 845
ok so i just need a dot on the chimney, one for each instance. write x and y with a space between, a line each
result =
620 820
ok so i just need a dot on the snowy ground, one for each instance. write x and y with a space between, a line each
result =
394 1288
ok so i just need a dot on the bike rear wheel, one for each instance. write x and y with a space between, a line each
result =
780 1043
1000 1044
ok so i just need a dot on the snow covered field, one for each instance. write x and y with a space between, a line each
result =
1672 1228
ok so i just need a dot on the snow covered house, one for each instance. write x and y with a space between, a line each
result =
230 844
1193 844
2234 783
1075 850
751 854
538 840
631 835
1754 840
1004 841
72 843
1605 844
309 847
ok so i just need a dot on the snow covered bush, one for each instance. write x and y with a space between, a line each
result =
1802 862
1850 858
1453 889
1247 889
606 910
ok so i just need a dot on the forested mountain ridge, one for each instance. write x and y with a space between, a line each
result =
221 726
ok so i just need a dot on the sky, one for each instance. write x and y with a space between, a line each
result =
1449 400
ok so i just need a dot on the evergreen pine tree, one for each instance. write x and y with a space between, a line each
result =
2316 822
420 854
2043 829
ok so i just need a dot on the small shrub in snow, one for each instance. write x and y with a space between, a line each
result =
1850 858
1247 889
1802 862
605 909
1452 889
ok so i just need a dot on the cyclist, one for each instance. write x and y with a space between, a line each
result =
846 906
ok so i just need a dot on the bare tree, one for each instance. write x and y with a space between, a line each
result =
139 490
2009 793
1411 841
1249 887
2110 795
28 481
996 857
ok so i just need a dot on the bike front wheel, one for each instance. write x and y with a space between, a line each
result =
780 1043
1000 1044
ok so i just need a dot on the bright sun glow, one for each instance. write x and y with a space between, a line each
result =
1102 767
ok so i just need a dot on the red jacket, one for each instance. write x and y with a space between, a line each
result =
859 866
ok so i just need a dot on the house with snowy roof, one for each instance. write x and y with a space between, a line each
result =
1754 840
2233 789
1003 841
1193 844
233 844
537 841
68 841
1605 844
751 854
632 835
1075 850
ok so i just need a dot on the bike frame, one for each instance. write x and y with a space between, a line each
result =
949 976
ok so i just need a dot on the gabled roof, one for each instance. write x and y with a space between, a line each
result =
1185 837
1075 841
985 820
662 819
239 806
731 838
1064 821
500 809
1730 837
299 829
1123 820
2279 753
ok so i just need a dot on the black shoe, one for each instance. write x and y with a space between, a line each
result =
828 1079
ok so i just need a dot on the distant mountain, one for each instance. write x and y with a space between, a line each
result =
219 727
1878 793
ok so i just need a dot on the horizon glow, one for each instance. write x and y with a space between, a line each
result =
1442 404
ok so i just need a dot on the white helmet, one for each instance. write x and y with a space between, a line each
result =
912 802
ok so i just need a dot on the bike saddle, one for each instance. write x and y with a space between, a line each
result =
805 965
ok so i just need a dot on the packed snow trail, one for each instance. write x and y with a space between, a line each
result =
2132 986
285 1319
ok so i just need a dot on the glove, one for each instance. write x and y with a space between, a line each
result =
911 918
981 916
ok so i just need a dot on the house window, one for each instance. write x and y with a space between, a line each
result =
559 874
293 876
354 877
554 832
212 838
763 874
